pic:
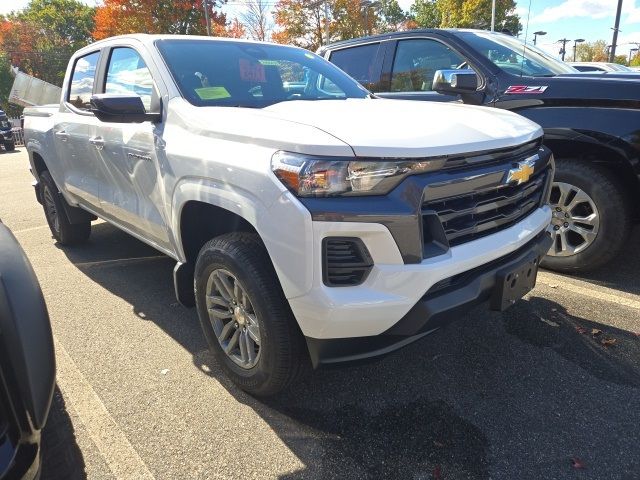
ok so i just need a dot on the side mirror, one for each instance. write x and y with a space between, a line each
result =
455 81
121 108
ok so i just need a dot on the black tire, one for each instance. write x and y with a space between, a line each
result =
9 146
283 356
615 216
62 230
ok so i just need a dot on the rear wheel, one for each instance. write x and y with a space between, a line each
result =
591 218
245 316
63 231
9 146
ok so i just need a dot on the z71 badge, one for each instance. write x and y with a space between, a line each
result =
526 89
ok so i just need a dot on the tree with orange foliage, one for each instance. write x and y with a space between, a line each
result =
185 17
234 29
299 22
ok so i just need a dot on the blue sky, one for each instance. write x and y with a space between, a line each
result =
588 19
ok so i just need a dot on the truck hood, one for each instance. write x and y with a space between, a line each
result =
402 129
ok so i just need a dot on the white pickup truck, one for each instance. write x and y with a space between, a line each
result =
311 222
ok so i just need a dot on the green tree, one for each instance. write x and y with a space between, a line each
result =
592 52
466 14
426 13
6 82
391 17
41 38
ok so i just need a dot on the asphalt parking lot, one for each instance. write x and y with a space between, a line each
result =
529 394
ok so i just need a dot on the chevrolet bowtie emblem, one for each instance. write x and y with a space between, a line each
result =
523 171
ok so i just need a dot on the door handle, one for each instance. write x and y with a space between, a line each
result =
97 142
62 135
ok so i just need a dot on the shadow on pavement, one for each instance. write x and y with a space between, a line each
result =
61 456
489 396
622 273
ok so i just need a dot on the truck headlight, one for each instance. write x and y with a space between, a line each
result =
316 176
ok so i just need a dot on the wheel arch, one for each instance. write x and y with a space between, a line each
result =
611 156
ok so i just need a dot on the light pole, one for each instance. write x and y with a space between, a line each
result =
563 50
493 15
575 46
205 4
616 29
535 35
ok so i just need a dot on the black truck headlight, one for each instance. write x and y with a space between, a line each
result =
317 176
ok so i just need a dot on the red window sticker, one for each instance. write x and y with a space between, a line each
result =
514 89
252 72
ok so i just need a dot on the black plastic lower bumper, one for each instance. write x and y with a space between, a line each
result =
445 301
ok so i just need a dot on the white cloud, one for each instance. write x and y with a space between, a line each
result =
588 8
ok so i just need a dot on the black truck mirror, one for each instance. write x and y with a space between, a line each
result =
455 81
121 109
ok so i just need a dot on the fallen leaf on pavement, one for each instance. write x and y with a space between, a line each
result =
581 330
608 342
164 371
438 444
595 331
576 463
437 473
550 322
553 285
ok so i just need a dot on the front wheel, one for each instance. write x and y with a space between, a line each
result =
9 146
591 218
245 316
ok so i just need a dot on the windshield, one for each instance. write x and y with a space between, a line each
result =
620 68
242 74
510 54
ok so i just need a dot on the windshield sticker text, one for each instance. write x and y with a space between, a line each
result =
252 72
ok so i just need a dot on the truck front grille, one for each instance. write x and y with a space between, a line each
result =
346 260
477 214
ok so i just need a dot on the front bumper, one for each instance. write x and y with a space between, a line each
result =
442 303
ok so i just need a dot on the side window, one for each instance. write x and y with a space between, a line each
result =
128 74
359 63
417 60
82 79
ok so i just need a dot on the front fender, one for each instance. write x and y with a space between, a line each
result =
284 226
614 129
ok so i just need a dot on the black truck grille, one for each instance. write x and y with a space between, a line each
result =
477 214
347 261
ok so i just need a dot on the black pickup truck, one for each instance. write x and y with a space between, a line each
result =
591 121
6 135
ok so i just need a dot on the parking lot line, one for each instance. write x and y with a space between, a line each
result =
587 289
31 229
118 453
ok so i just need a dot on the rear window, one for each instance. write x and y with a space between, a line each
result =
244 74
82 80
360 63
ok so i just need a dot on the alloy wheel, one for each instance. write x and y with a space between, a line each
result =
233 318
575 220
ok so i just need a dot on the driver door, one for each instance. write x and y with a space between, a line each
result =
132 194
415 61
